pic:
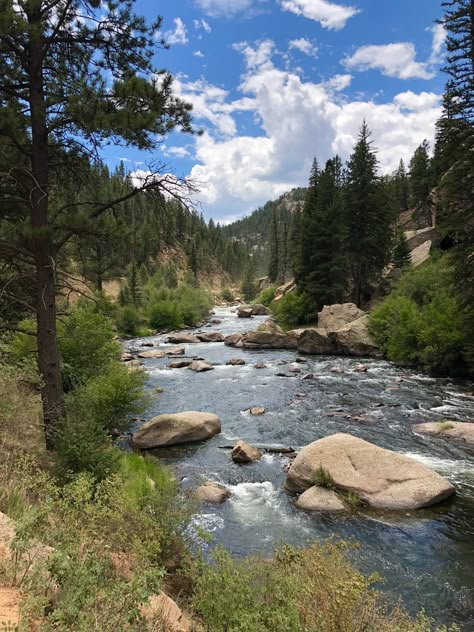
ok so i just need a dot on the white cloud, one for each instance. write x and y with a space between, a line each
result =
197 53
394 60
202 24
328 14
227 8
179 35
304 46
437 47
298 119
179 152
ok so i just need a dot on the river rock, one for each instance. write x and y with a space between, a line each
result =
266 340
260 310
126 357
134 365
216 321
319 499
180 364
382 478
153 353
294 369
211 336
314 341
200 367
235 362
244 312
334 317
458 431
270 327
177 428
361 368
260 365
354 339
234 340
308 376
300 360
183 339
257 410
245 453
175 351
212 492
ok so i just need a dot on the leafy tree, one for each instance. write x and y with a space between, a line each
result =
74 74
368 218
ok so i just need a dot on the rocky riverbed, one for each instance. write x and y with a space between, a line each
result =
426 555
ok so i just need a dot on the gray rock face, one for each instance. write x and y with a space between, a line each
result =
319 499
382 478
211 492
333 317
200 366
354 339
177 428
315 341
245 453
461 432
265 340
211 336
183 339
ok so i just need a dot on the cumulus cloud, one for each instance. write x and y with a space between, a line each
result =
198 53
394 60
228 8
178 35
437 47
304 46
202 24
330 15
299 119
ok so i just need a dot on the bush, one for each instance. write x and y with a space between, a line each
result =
421 322
165 315
176 308
266 296
128 321
292 310
227 295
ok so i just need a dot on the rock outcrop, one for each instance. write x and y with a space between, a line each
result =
177 428
314 342
382 478
284 289
211 336
211 492
354 339
245 453
319 499
333 317
259 310
461 432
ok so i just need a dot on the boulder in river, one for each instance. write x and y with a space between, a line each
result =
269 326
235 362
152 353
200 367
211 336
211 492
183 338
314 341
234 340
126 357
266 340
256 410
260 310
176 428
245 453
319 499
461 432
180 364
244 312
361 368
380 477
260 365
354 339
334 317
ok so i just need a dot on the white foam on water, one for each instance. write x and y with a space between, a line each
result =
253 500
269 458
458 470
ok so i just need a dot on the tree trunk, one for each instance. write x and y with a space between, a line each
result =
42 246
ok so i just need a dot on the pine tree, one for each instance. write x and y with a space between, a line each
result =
421 175
294 242
401 187
401 256
274 262
368 219
308 228
248 287
73 76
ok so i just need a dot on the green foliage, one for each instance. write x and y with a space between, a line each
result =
265 297
401 251
293 309
421 175
227 295
128 321
178 307
301 590
422 320
322 478
248 288
165 315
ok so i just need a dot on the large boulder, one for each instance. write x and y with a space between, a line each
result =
382 478
461 432
354 339
285 289
153 353
183 339
162 611
333 317
180 364
200 366
270 327
245 453
233 340
319 499
211 336
244 312
211 492
260 310
315 341
267 340
177 428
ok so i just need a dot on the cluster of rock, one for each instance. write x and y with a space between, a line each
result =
247 311
342 330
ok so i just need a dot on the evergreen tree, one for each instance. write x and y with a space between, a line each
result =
401 257
309 228
368 219
274 262
248 287
401 187
73 75
294 242
421 177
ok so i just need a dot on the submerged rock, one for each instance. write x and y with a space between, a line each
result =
235 362
176 428
459 431
211 492
245 453
319 499
382 478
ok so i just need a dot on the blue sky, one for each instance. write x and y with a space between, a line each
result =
276 82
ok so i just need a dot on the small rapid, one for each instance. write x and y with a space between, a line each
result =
425 556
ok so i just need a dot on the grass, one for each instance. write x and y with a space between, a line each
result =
322 478
444 426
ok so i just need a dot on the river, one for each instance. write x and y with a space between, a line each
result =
425 556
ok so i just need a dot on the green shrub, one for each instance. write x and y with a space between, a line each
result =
175 308
291 310
266 296
421 322
227 295
128 321
165 315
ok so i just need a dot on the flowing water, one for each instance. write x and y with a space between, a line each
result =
425 556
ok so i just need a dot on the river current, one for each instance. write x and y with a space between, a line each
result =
426 556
